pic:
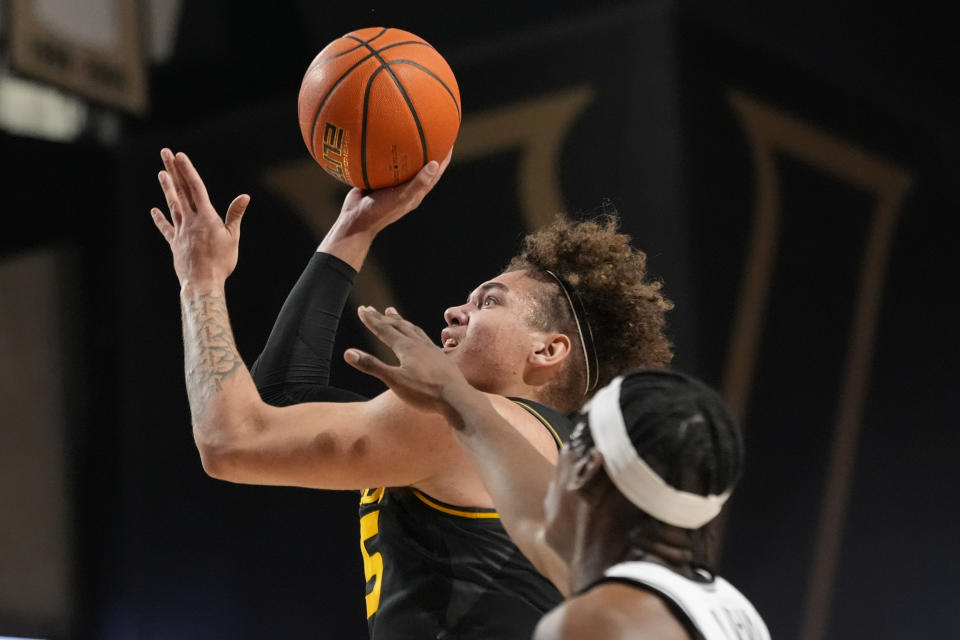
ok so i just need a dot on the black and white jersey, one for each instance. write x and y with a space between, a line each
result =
713 608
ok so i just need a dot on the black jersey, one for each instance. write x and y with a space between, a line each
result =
436 571
433 570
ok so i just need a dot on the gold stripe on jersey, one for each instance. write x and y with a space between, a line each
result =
369 496
546 423
372 562
479 514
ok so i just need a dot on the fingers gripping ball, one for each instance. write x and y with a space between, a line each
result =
376 105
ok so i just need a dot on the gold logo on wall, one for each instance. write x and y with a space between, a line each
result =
771 133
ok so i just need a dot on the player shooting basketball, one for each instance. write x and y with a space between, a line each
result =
438 563
619 525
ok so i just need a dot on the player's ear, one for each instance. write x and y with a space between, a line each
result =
585 470
550 349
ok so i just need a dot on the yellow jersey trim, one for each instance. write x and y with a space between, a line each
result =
545 422
369 496
452 510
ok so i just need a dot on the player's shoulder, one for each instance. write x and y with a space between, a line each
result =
536 422
514 410
557 424
611 611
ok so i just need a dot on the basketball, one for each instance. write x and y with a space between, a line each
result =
376 105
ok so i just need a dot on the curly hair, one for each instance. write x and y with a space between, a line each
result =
624 308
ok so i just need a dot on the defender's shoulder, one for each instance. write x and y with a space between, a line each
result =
611 611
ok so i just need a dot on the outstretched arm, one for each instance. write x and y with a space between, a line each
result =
295 363
351 445
514 473
239 437
364 214
205 251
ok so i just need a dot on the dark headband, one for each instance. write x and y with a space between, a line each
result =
586 336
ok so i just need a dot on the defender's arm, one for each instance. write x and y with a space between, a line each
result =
353 445
515 474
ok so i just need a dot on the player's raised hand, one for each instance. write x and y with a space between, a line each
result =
205 247
374 210
425 377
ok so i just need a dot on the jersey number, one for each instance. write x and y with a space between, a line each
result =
372 562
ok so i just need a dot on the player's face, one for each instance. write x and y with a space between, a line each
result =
490 336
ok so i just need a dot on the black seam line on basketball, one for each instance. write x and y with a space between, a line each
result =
341 54
389 46
363 127
434 76
359 46
383 30
395 44
406 98
316 118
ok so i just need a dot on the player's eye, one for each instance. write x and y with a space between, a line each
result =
489 301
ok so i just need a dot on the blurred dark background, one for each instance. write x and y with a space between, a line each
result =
790 168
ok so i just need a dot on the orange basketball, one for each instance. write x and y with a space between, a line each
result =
376 105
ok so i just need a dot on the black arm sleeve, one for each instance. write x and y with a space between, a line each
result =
294 366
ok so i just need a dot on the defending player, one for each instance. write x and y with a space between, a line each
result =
437 561
619 525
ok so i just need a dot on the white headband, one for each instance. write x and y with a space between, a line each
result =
633 476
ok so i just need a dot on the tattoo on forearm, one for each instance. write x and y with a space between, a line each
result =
210 354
